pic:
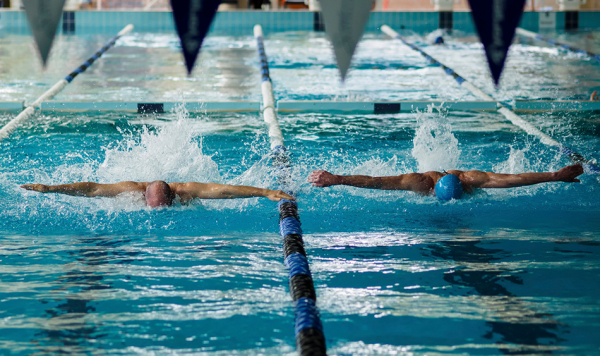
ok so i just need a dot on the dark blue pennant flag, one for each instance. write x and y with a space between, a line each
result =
192 19
496 21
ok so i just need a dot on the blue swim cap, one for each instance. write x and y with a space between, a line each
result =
448 187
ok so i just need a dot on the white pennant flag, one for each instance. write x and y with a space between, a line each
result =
44 16
345 22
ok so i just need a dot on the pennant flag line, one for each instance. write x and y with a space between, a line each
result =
496 21
43 16
345 22
193 19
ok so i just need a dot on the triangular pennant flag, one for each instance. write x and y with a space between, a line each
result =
496 21
345 22
192 19
43 16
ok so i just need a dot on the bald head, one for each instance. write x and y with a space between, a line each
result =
158 193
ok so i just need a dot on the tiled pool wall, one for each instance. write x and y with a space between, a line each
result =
242 22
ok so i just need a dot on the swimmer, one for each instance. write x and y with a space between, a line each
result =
160 193
594 96
446 185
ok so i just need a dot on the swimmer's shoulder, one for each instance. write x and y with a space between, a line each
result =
185 191
177 187
130 186
185 186
467 178
434 175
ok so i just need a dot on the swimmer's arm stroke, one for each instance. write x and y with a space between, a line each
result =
478 179
225 191
88 189
416 182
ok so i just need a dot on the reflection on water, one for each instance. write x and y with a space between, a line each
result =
235 78
522 328
68 328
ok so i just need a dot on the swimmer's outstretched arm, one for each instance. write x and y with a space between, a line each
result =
88 189
416 182
477 179
224 191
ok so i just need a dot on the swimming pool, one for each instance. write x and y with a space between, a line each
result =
501 272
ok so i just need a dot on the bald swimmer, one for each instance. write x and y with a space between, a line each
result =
160 193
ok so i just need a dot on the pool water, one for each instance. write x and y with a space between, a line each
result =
149 67
510 271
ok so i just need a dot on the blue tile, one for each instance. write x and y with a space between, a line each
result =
589 20
464 22
530 21
15 22
560 20
242 22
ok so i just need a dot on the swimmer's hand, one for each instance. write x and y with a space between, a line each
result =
277 195
42 188
568 174
323 179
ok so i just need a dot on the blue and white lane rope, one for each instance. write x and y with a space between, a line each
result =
59 86
310 340
567 47
590 166
82 68
266 86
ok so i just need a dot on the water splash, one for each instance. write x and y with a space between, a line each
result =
434 145
431 37
172 153
516 162
378 167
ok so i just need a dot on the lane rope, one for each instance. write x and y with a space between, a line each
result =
565 46
589 165
58 87
310 339
269 115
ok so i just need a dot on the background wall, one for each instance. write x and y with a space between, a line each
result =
391 5
463 5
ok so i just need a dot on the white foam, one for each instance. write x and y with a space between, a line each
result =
431 37
516 163
172 153
434 147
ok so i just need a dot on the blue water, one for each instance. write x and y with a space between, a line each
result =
510 271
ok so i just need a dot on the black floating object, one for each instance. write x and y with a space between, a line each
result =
496 22
192 20
151 108
386 108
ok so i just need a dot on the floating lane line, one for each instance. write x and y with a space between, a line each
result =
58 87
381 107
539 37
310 340
269 115
148 107
575 157
390 107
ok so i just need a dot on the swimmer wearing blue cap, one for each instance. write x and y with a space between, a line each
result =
446 185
